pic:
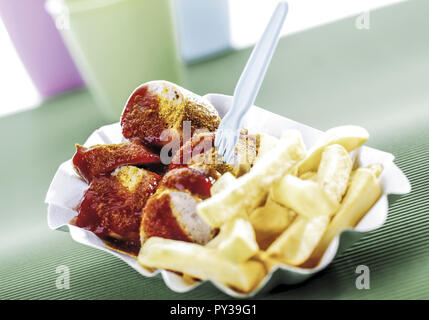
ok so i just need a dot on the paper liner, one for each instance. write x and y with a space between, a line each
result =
67 189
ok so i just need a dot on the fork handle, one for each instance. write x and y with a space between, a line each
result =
251 79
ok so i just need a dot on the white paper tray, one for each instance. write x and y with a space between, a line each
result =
67 189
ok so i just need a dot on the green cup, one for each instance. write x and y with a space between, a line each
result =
118 44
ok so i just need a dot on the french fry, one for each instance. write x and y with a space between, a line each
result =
268 261
250 190
200 262
236 240
224 182
350 137
364 190
305 197
295 245
334 171
267 143
376 169
309 175
270 221
354 155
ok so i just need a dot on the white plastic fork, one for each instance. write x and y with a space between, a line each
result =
249 83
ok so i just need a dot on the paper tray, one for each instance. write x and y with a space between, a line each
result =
67 189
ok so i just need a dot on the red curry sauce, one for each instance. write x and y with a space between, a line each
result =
113 212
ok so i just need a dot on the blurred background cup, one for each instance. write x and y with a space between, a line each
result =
118 44
40 46
203 28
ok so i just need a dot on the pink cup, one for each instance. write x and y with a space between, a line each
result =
40 46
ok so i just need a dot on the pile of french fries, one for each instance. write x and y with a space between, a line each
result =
285 211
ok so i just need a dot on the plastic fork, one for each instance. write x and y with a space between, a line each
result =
249 83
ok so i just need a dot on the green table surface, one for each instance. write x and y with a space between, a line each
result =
332 75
